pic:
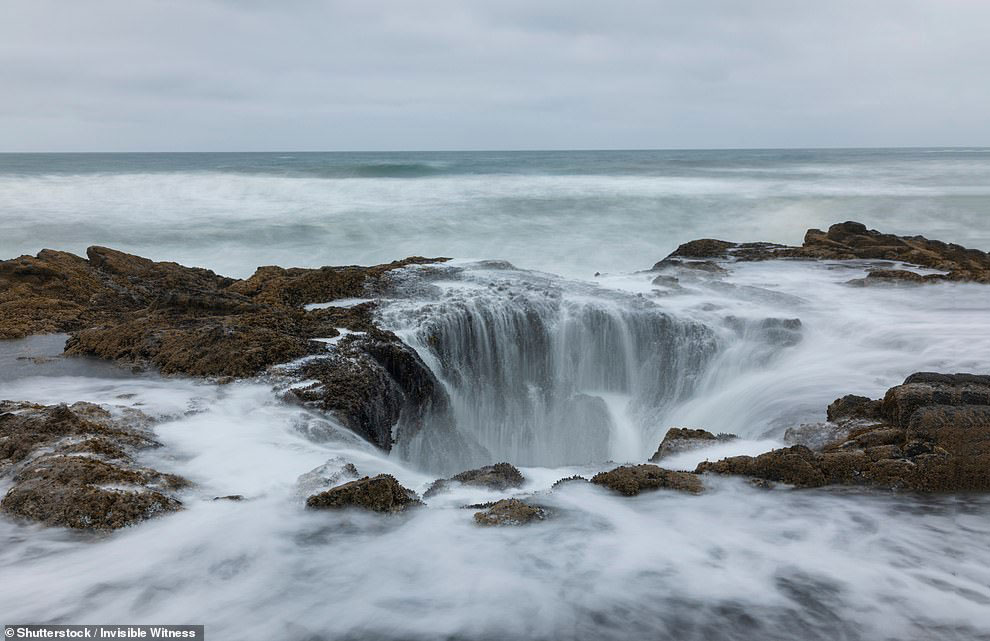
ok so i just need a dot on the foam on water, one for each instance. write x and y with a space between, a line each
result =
553 370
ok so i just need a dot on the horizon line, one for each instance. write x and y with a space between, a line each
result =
479 150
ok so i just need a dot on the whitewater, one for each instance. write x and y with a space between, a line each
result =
560 355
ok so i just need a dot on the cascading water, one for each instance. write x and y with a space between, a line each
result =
543 371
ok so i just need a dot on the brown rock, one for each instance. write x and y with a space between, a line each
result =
72 467
510 512
795 465
501 476
630 480
683 439
852 240
381 493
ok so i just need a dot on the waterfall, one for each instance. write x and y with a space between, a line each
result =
542 371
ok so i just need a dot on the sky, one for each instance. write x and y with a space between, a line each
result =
241 75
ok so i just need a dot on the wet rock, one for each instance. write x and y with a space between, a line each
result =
795 465
191 321
630 480
703 248
852 406
569 479
373 382
381 493
229 497
510 512
72 466
332 473
891 277
930 434
683 439
501 476
854 241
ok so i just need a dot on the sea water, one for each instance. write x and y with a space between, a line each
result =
548 366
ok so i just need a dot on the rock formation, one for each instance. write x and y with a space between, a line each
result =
510 512
630 480
501 476
381 493
849 241
929 434
73 466
684 439
191 321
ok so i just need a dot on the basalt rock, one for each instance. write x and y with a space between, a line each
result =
683 439
630 480
381 493
854 241
510 512
372 382
930 434
72 466
501 476
191 321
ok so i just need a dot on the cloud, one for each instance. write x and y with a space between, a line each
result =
310 74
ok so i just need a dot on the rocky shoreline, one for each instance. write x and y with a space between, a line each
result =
74 466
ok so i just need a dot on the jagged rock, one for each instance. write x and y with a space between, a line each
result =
510 512
851 406
371 383
852 240
930 434
501 476
191 321
795 465
381 493
71 466
630 480
569 479
683 439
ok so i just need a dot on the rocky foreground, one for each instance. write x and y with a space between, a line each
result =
75 466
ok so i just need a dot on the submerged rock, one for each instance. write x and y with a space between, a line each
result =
683 439
332 473
71 466
381 493
633 479
930 434
501 476
510 512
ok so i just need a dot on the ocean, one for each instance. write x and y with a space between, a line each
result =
570 213
560 355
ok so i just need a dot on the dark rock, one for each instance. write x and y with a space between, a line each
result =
683 439
630 480
381 493
229 497
510 512
501 476
703 248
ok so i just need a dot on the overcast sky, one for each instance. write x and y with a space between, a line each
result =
508 74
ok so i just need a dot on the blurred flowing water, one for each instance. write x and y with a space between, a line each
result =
549 367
